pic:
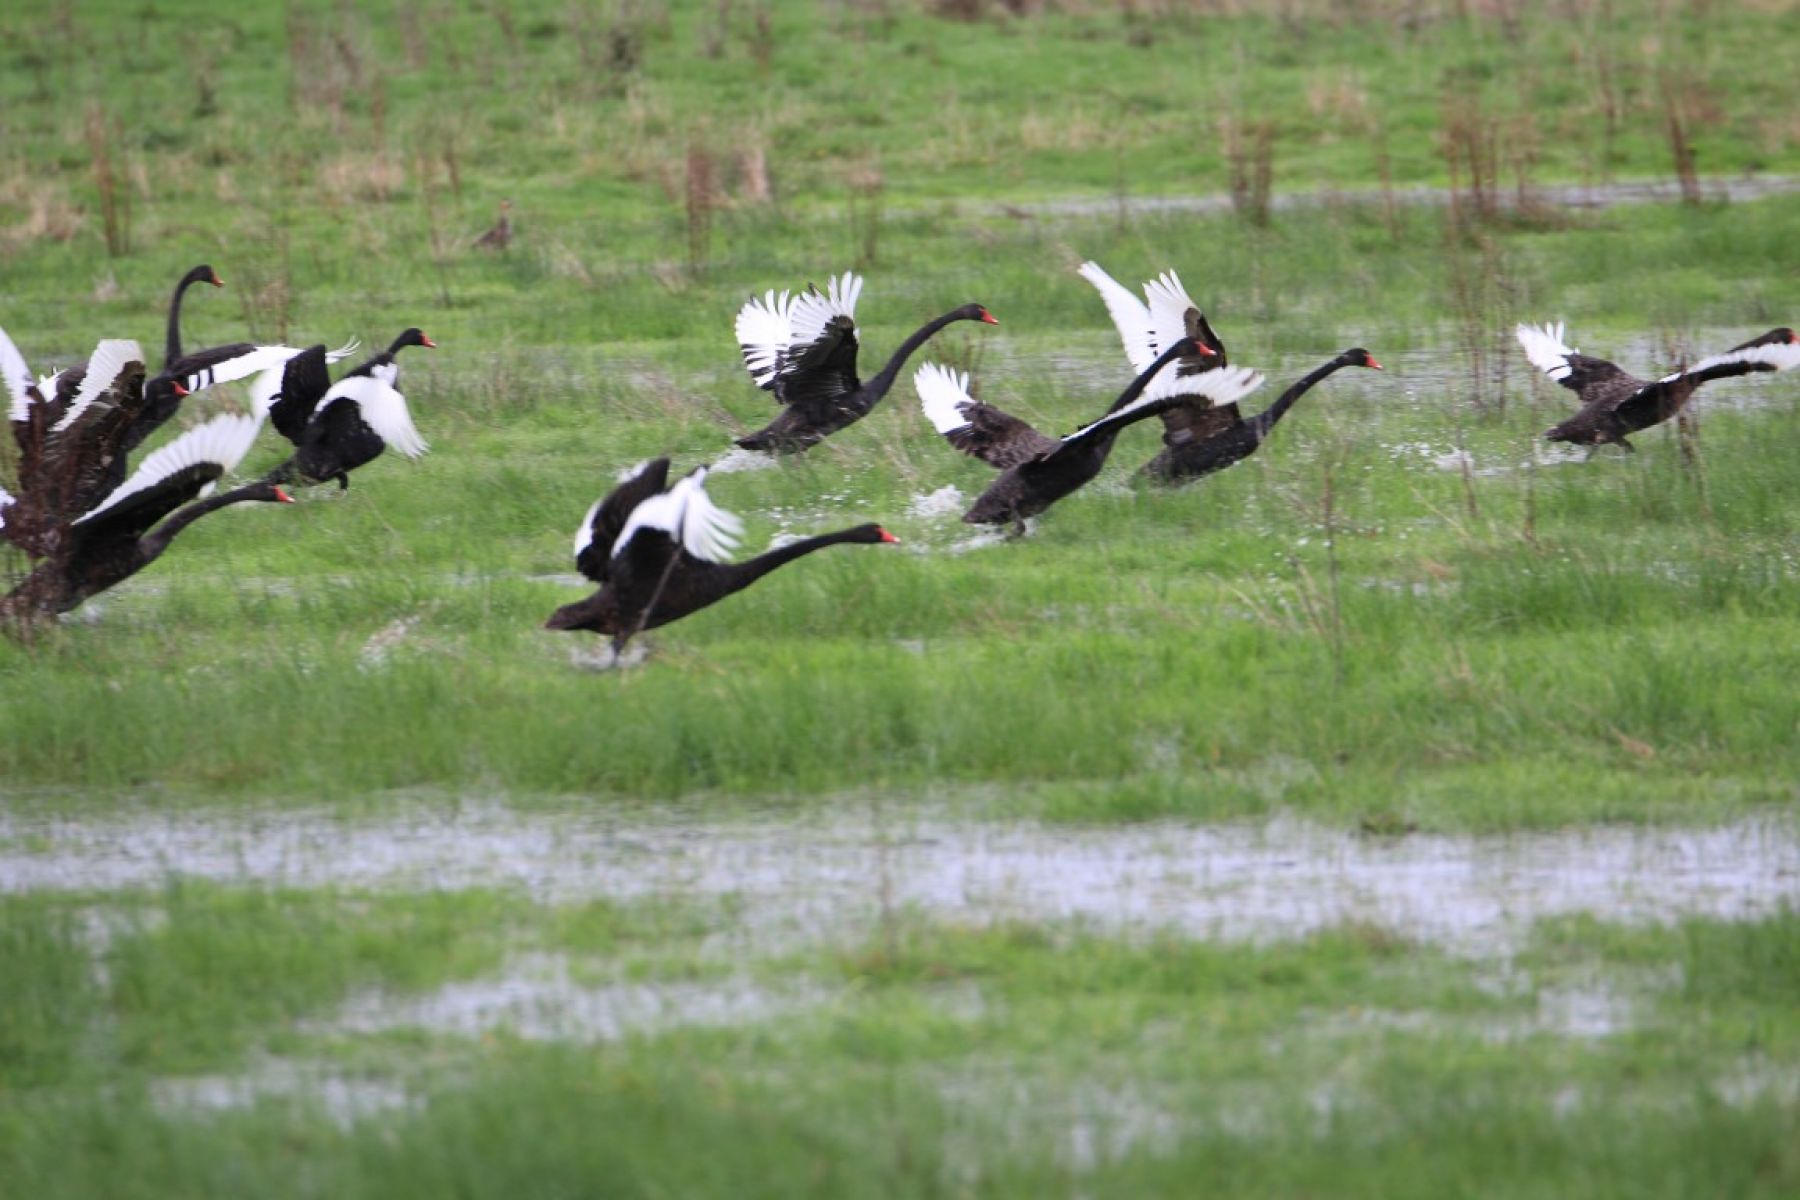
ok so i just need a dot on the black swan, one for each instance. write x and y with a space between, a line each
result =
655 551
67 428
115 540
1036 470
1614 404
338 427
172 346
1199 437
1199 440
803 349
1150 326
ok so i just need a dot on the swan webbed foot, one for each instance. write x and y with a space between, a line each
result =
1629 448
343 481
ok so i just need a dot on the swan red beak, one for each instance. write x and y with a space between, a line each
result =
215 280
179 390
1205 351
988 318
425 341
1373 365
1794 339
888 537
283 497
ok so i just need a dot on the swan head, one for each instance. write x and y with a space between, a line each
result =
1359 357
976 312
202 274
412 337
873 534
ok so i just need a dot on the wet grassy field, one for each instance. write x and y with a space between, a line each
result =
1407 811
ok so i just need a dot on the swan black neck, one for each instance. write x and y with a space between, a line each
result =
743 574
1265 420
172 346
884 380
157 540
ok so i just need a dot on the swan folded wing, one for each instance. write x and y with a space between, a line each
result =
1543 345
1190 421
607 517
287 395
1130 316
19 390
109 361
762 334
180 470
383 410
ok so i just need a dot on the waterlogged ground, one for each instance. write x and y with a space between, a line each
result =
1023 1004
1406 813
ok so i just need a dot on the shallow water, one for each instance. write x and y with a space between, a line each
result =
536 997
836 877
1576 195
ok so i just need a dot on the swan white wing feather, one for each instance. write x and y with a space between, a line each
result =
265 389
708 531
1778 356
1226 385
942 393
250 362
224 440
344 351
762 333
687 514
1168 308
1169 303
18 379
813 310
584 533
383 409
1543 345
110 357
1129 315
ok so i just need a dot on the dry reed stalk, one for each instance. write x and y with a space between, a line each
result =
866 187
1250 159
115 201
753 175
1678 121
700 200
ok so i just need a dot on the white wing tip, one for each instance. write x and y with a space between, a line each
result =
942 393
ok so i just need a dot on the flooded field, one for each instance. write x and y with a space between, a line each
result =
792 882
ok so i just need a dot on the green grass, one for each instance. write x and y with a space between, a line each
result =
1010 1061
1337 629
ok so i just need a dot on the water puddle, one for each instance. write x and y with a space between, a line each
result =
536 998
799 880
1577 196
740 459
346 1099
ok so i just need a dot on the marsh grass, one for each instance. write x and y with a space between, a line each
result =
1342 627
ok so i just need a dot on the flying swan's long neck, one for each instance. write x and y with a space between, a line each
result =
878 386
1264 421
